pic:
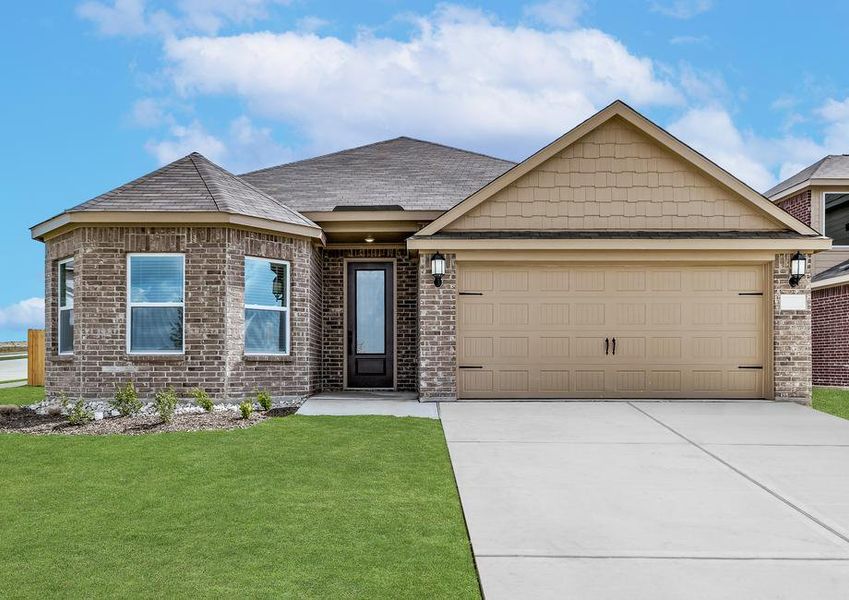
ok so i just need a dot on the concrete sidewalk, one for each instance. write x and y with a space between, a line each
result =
348 403
653 499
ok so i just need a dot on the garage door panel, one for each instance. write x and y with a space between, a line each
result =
538 331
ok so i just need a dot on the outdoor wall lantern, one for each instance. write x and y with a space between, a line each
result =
797 269
437 267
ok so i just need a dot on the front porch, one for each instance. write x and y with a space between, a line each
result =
365 402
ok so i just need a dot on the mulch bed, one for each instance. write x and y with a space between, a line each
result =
27 421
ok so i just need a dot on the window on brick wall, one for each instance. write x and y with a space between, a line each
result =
266 306
837 217
66 306
156 288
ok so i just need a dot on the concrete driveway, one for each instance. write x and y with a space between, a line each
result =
697 500
13 369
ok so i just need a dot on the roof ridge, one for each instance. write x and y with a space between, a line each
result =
378 143
191 157
335 152
455 148
209 163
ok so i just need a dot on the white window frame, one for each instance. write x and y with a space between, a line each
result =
822 212
131 305
283 309
60 308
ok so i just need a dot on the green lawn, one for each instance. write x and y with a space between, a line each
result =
21 395
832 401
300 507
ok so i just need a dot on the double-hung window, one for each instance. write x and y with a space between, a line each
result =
66 306
266 306
836 217
155 303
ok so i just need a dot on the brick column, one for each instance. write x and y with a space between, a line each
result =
437 331
791 335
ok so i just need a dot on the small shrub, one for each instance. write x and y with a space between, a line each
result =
165 403
202 399
264 399
246 408
126 400
78 414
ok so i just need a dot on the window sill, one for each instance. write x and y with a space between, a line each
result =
63 357
155 357
284 358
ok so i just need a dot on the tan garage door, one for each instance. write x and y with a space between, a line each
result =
549 331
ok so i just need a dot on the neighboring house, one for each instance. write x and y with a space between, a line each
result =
614 262
819 197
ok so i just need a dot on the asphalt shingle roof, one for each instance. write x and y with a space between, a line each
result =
193 184
835 271
833 166
409 173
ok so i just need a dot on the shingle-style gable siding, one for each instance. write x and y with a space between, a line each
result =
615 178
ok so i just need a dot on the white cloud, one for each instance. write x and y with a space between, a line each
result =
122 17
681 9
556 13
311 24
462 78
244 148
756 159
141 17
252 147
712 132
149 112
185 139
24 314
836 115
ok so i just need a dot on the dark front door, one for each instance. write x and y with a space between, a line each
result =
371 321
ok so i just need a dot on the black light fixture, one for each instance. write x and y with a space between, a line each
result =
798 265
437 267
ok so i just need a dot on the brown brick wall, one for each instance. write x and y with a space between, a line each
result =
791 337
799 206
437 331
406 330
214 314
830 309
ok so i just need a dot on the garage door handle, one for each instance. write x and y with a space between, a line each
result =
614 346
606 345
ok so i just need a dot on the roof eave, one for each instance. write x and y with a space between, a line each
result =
800 187
802 243
52 227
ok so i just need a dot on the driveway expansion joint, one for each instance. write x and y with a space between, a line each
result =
746 476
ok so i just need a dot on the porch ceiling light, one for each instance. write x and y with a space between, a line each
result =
437 267
798 265
369 239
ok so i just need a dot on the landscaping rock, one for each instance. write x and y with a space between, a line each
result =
9 408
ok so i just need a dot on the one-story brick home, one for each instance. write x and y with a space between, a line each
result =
819 196
616 262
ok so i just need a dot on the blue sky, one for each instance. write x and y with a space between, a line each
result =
101 91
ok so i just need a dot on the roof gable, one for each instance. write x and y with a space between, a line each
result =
616 171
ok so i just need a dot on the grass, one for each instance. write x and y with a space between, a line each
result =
20 395
301 507
833 401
